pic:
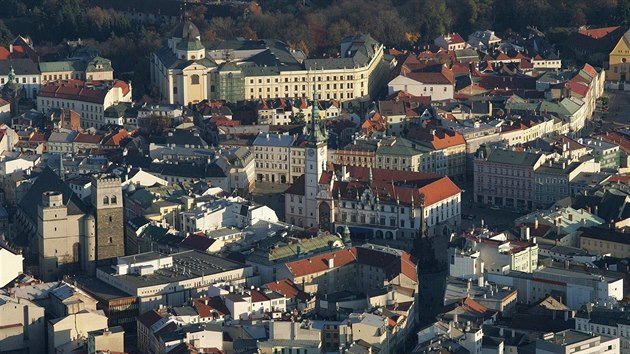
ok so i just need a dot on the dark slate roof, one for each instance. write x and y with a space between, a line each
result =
513 157
604 234
606 317
48 180
170 60
21 67
181 137
189 170
198 242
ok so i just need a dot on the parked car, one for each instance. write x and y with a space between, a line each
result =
495 207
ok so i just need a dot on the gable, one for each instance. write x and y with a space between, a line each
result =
403 80
622 47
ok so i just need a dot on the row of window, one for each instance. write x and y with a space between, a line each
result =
17 79
295 79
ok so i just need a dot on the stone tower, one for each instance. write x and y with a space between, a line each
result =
107 204
58 246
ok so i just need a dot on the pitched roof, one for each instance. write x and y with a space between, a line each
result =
391 263
286 288
443 77
206 306
438 138
391 185
78 90
198 242
319 263
48 180
88 138
597 33
149 318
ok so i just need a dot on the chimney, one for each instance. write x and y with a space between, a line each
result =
535 223
331 263
10 48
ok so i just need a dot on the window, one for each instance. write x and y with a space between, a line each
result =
194 79
114 199
106 200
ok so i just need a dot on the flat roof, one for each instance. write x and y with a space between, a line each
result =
99 289
569 337
186 265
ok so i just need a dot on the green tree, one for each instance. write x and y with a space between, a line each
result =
5 34
623 12
298 119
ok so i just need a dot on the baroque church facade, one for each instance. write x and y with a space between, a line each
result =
188 70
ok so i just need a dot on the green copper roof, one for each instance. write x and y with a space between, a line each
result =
276 249
191 44
66 65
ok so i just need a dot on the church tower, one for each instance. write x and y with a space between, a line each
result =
315 160
107 202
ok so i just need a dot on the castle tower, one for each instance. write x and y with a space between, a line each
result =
316 154
58 250
107 203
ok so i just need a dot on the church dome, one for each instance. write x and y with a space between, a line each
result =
186 29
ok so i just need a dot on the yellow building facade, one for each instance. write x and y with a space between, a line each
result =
619 60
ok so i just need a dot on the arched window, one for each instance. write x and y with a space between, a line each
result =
114 199
106 200
194 79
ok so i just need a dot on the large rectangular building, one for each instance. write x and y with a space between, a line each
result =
188 71
88 98
505 178
171 280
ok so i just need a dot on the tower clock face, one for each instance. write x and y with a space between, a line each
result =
311 152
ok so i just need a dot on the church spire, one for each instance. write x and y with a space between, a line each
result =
316 134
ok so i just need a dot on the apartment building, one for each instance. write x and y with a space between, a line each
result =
505 177
88 98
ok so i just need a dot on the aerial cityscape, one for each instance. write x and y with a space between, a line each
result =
314 176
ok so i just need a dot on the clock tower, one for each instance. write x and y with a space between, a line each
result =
315 161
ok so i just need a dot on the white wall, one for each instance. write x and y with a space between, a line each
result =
10 266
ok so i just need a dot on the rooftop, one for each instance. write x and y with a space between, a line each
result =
186 265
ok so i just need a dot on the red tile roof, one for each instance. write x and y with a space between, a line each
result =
78 90
115 138
18 52
258 296
3 102
392 264
597 33
473 306
625 179
577 87
442 139
444 77
589 69
88 138
404 185
206 306
319 263
286 288
456 39
40 137
616 138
